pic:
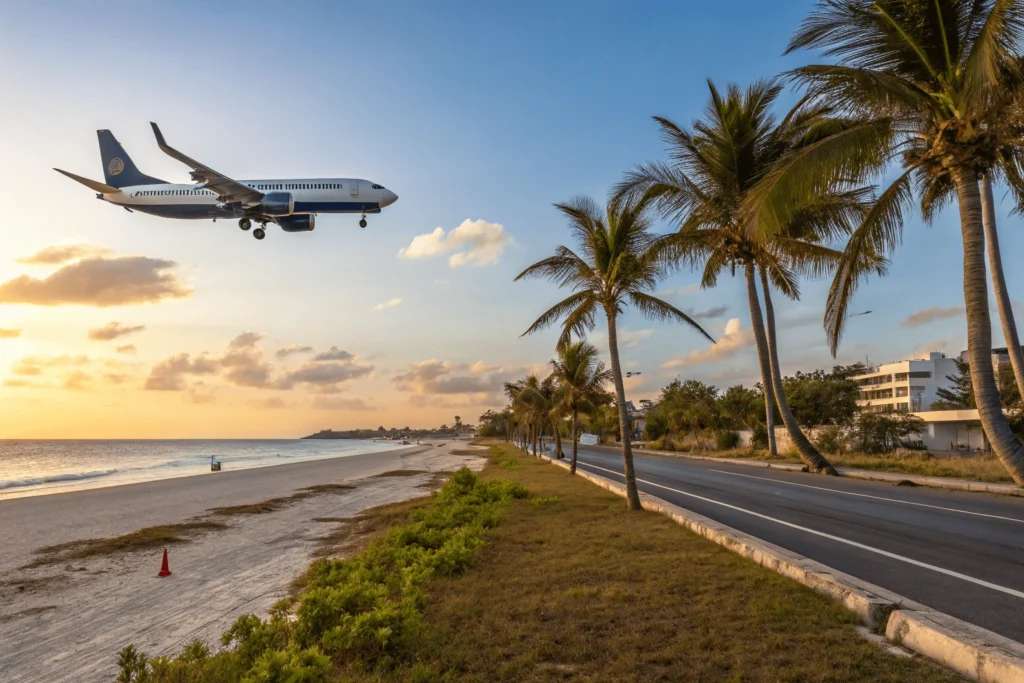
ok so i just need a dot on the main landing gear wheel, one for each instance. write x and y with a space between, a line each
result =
259 233
362 222
245 224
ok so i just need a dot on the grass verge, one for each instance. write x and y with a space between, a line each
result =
974 467
571 587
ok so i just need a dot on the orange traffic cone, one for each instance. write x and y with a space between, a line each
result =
164 569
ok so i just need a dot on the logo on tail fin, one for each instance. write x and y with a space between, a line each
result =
115 167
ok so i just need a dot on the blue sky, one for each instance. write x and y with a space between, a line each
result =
468 111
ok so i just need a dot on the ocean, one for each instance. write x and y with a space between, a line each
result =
31 468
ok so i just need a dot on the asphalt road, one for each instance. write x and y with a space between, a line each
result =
958 552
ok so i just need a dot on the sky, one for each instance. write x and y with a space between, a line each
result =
478 115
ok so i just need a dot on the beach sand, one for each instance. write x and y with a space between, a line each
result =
66 621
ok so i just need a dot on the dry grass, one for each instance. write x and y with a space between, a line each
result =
401 473
579 589
142 539
974 467
273 504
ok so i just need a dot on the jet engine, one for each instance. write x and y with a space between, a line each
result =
300 223
278 204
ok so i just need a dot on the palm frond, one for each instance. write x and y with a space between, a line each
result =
654 308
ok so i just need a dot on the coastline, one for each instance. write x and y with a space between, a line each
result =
75 615
236 454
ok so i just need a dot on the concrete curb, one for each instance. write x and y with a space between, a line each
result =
970 650
871 475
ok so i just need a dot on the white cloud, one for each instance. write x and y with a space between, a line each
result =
390 303
627 338
476 243
440 383
733 339
679 291
927 315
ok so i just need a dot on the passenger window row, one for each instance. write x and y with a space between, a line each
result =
262 186
298 186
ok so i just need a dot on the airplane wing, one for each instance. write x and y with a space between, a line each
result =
228 190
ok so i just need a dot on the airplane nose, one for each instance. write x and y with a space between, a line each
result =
389 198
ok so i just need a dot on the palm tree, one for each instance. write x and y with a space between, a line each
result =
539 396
618 265
921 74
715 169
580 378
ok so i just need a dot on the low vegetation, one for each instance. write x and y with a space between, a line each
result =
142 539
565 587
363 612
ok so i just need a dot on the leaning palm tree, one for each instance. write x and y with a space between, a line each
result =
618 265
921 74
714 168
580 378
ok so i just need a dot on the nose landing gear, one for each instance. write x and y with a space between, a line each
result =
362 221
245 223
259 233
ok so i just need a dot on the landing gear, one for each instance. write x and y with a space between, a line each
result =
362 222
259 233
245 223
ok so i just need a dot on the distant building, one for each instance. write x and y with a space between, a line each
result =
1000 357
907 386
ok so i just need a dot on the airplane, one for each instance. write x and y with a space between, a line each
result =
291 203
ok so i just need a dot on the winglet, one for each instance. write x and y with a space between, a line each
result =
159 136
91 184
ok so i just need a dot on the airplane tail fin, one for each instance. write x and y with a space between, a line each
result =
118 168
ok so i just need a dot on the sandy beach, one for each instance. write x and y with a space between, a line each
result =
66 621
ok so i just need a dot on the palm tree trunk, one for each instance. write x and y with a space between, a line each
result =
632 496
769 401
995 266
558 440
1008 449
808 453
575 441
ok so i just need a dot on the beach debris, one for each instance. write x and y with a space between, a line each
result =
165 570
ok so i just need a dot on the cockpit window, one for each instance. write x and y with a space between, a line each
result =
378 187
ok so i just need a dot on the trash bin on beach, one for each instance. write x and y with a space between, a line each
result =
214 464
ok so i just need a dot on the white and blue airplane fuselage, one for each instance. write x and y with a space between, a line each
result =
292 203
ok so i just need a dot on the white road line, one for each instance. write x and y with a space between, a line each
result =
879 551
864 495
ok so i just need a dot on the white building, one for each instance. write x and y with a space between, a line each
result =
906 385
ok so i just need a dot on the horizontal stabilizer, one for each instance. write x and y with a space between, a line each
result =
92 184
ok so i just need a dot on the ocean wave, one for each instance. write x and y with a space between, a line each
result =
70 476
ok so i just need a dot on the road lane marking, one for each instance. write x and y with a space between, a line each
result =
839 539
864 495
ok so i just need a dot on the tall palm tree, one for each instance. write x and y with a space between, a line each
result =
921 73
580 378
735 147
618 265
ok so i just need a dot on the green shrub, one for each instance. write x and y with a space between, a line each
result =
831 439
726 440
365 609
759 436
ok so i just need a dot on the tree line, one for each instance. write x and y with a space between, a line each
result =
930 89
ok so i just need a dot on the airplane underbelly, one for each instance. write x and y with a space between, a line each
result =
336 207
185 211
